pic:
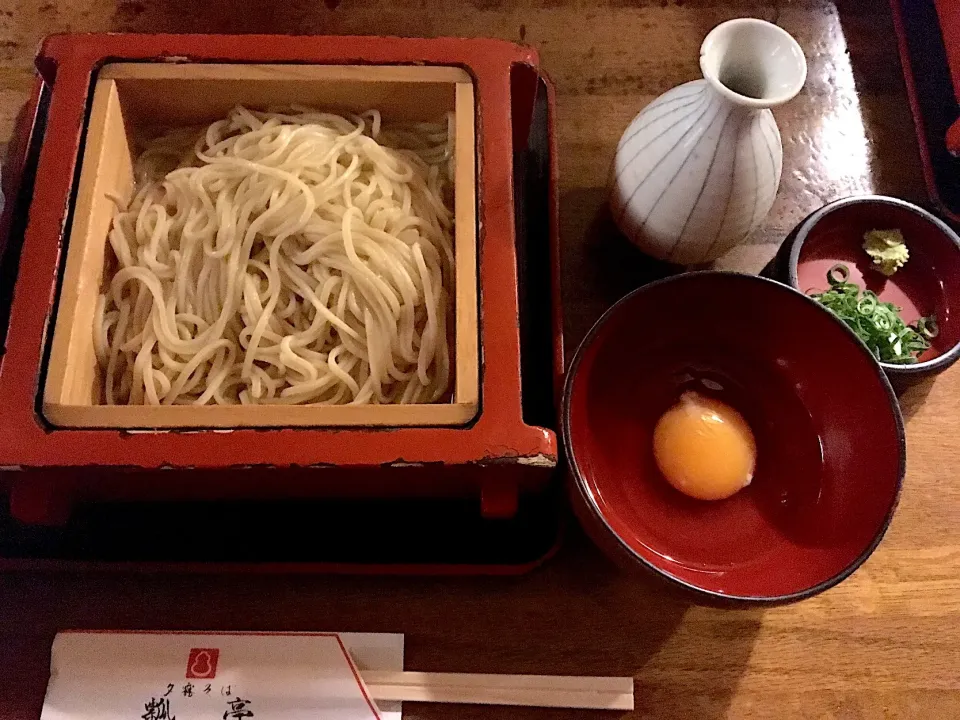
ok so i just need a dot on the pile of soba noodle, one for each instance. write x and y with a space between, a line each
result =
283 257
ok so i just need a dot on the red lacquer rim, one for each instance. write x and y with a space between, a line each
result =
590 502
499 431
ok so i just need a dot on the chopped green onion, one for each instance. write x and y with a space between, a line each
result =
867 305
927 326
877 323
838 275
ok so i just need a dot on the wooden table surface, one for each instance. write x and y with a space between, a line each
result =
884 644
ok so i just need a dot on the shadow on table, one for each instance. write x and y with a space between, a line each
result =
579 615
599 264
583 616
912 396
881 94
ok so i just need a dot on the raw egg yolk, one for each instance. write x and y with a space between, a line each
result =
704 448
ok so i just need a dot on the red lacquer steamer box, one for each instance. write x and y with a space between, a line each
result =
59 445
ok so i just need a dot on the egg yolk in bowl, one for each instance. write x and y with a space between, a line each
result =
704 448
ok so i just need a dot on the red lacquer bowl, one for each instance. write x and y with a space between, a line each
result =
830 442
928 284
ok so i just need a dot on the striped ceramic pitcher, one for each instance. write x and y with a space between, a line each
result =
698 169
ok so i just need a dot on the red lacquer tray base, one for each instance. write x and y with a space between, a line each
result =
265 526
400 537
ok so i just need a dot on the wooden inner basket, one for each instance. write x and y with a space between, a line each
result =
130 96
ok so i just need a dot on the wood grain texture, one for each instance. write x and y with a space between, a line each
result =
883 644
73 375
561 691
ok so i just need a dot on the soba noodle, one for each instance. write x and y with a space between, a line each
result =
282 257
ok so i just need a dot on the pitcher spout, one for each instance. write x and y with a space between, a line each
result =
753 63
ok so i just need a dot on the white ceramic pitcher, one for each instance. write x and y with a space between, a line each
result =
698 169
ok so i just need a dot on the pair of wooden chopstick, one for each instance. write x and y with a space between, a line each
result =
599 693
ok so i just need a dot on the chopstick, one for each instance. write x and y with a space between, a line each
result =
598 693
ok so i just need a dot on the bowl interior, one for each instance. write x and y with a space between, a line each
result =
929 283
829 438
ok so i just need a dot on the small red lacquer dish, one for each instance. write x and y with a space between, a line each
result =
830 442
927 285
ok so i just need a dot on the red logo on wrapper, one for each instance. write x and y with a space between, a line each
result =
202 663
